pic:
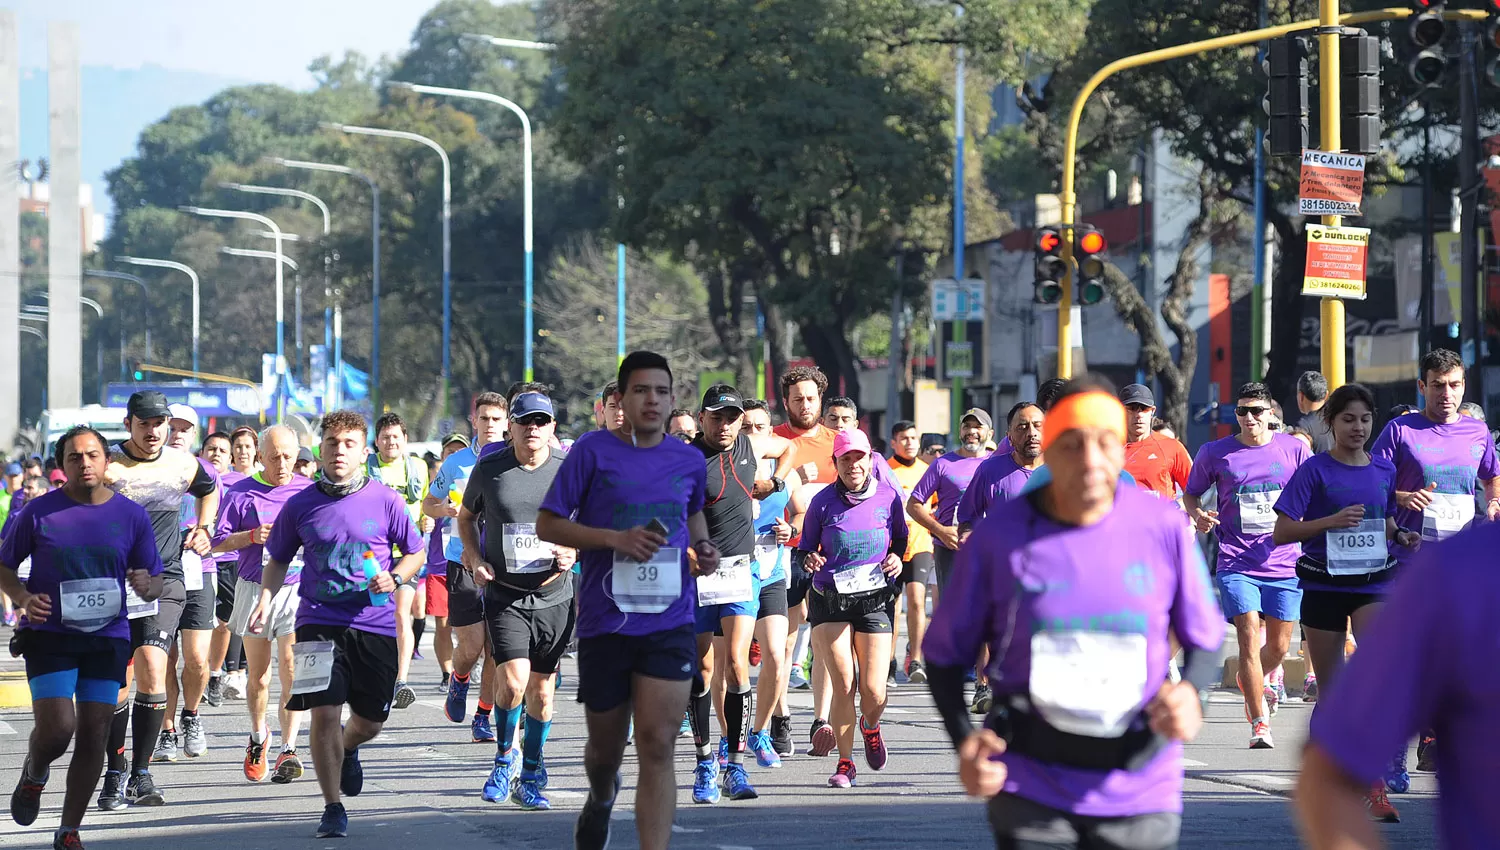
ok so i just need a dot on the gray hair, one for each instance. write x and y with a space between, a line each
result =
274 431
1313 386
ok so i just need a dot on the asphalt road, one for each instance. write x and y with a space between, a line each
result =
423 777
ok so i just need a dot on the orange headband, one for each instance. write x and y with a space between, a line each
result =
1084 410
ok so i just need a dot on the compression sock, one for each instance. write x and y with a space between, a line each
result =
484 708
119 726
146 719
533 742
417 628
736 708
232 657
698 709
506 720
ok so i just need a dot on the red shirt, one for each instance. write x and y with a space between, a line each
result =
1159 464
812 456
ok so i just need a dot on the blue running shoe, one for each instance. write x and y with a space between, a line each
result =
497 787
456 706
541 773
736 782
687 726
765 751
1397 780
706 782
335 822
527 793
351 774
723 752
484 733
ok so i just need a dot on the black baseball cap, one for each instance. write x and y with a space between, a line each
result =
721 396
148 404
1137 394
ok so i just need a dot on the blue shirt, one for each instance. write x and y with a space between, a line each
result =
453 477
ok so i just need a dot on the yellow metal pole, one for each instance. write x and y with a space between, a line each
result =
209 376
1332 309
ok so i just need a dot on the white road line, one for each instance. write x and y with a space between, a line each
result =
1194 763
6 728
1266 779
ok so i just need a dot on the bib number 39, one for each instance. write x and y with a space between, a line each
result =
647 587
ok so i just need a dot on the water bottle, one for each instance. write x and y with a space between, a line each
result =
372 569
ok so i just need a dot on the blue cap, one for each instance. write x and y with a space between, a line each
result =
12 469
528 404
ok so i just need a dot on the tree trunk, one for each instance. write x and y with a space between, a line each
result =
726 313
1286 307
775 339
829 346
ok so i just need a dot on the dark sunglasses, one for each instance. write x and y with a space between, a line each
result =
1251 410
535 420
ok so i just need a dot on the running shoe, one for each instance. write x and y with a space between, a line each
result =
67 840
351 774
705 782
754 653
214 693
765 751
876 754
527 793
405 696
1379 805
26 800
723 752
194 741
235 685
166 747
916 673
141 790
822 738
112 796
456 707
1260 736
288 768
736 782
890 676
255 761
591 832
687 725
446 681
843 777
781 736
1310 688
1278 681
541 772
984 700
1427 754
484 733
797 681
497 787
1271 697
335 822
1397 779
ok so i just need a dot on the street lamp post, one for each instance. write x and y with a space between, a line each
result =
381 132
280 309
145 307
375 273
43 314
525 187
192 275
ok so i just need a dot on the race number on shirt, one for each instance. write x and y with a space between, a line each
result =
767 555
1446 515
524 551
1088 683
648 587
89 604
312 663
192 570
1359 550
859 578
730 583
1258 512
136 607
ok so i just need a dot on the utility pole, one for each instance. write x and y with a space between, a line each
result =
1469 183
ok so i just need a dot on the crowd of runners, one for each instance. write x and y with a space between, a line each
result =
693 561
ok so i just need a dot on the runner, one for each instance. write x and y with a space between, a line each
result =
145 470
392 466
345 632
1097 765
246 520
917 569
1342 507
771 734
682 425
1312 394
465 600
1157 462
1256 576
1003 475
437 578
76 640
219 451
307 464
528 591
607 412
637 496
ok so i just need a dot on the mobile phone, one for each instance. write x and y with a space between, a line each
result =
656 525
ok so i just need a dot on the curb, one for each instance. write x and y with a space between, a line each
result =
14 691
1294 667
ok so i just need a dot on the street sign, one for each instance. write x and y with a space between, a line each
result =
958 359
958 302
1331 184
206 399
1336 261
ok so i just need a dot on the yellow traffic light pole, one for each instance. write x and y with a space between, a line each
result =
1328 18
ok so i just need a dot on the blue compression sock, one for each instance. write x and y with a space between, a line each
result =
505 736
532 743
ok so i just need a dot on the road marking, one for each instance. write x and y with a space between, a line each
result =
1268 779
1194 763
6 728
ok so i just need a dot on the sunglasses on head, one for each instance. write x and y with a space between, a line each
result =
1251 410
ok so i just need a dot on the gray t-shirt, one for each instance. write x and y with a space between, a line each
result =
506 497
1322 435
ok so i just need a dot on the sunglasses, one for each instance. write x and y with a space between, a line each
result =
535 420
1251 410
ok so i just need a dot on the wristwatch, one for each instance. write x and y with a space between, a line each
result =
777 485
398 579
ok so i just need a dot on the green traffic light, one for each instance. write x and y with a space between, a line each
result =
138 375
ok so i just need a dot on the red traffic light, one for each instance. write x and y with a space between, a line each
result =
1091 242
1048 241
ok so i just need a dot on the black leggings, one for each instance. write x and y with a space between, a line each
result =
1020 824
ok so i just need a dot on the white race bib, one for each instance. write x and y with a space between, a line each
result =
1357 551
1088 683
1448 514
767 555
524 551
859 578
1258 512
313 666
136 607
731 582
192 570
650 587
89 604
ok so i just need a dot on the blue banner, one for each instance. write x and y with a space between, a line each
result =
206 399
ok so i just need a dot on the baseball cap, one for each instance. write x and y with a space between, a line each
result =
304 455
57 476
12 469
528 404
455 437
147 404
853 440
1137 394
721 396
183 412
980 416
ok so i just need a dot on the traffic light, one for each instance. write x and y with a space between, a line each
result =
1051 269
1427 30
1359 54
1089 246
135 371
1286 96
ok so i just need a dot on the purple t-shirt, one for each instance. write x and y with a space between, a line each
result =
1322 487
853 535
71 542
1453 455
1428 663
250 503
609 483
228 478
948 477
334 534
998 479
1249 480
437 559
1136 572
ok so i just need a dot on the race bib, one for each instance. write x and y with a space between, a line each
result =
192 570
650 587
767 555
859 578
1359 550
89 604
1088 683
1448 514
23 572
731 582
524 551
136 607
809 472
1258 512
293 567
313 666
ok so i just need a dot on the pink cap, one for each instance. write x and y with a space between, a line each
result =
850 441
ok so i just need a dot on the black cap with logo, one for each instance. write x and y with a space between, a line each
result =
148 404
722 396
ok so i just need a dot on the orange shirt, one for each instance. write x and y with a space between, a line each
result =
812 458
1159 464
919 539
